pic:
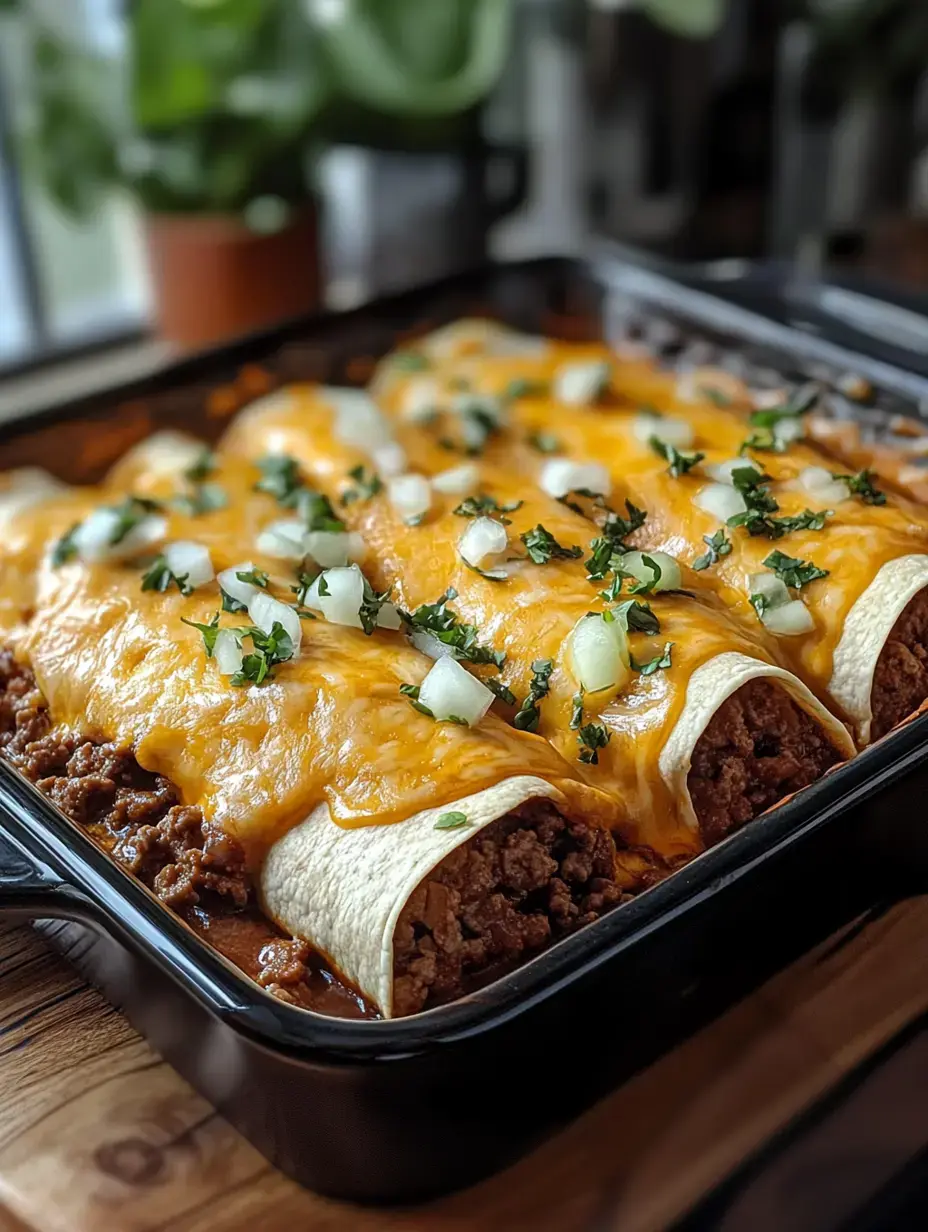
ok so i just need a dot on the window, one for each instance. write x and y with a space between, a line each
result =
64 284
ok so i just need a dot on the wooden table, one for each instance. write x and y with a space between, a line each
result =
98 1134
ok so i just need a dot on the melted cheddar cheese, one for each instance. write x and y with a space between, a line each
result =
531 615
857 537
117 663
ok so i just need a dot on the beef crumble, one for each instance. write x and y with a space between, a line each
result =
525 881
900 680
191 864
758 747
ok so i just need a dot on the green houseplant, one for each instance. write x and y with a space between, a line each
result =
210 113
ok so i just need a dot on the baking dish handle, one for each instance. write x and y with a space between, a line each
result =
30 889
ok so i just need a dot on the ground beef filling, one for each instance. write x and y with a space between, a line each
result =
189 863
900 681
759 747
523 882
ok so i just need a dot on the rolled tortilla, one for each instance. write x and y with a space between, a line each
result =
853 611
346 890
864 648
530 615
710 688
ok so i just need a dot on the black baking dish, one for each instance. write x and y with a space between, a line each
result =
401 1110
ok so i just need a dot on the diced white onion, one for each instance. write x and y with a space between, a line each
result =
410 495
388 617
671 578
722 472
788 430
428 644
598 653
790 619
483 539
720 501
266 611
459 481
330 548
560 476
166 453
26 487
93 538
676 432
468 405
582 383
233 586
421 399
227 653
358 420
451 692
818 483
284 540
191 560
390 459
345 595
771 587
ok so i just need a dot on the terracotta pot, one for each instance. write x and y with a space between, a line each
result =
214 279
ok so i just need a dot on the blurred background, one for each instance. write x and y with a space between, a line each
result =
177 171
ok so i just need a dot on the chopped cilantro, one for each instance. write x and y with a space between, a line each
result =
268 649
256 577
159 577
280 477
716 396
317 512
130 512
450 631
528 714
862 485
203 467
503 692
576 711
367 485
802 401
646 586
616 530
489 575
637 617
65 549
304 582
202 498
760 604
591 739
451 821
542 547
794 572
231 605
660 663
544 442
370 607
485 506
719 545
210 632
411 693
522 387
680 463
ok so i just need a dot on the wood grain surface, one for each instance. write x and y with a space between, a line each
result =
97 1133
